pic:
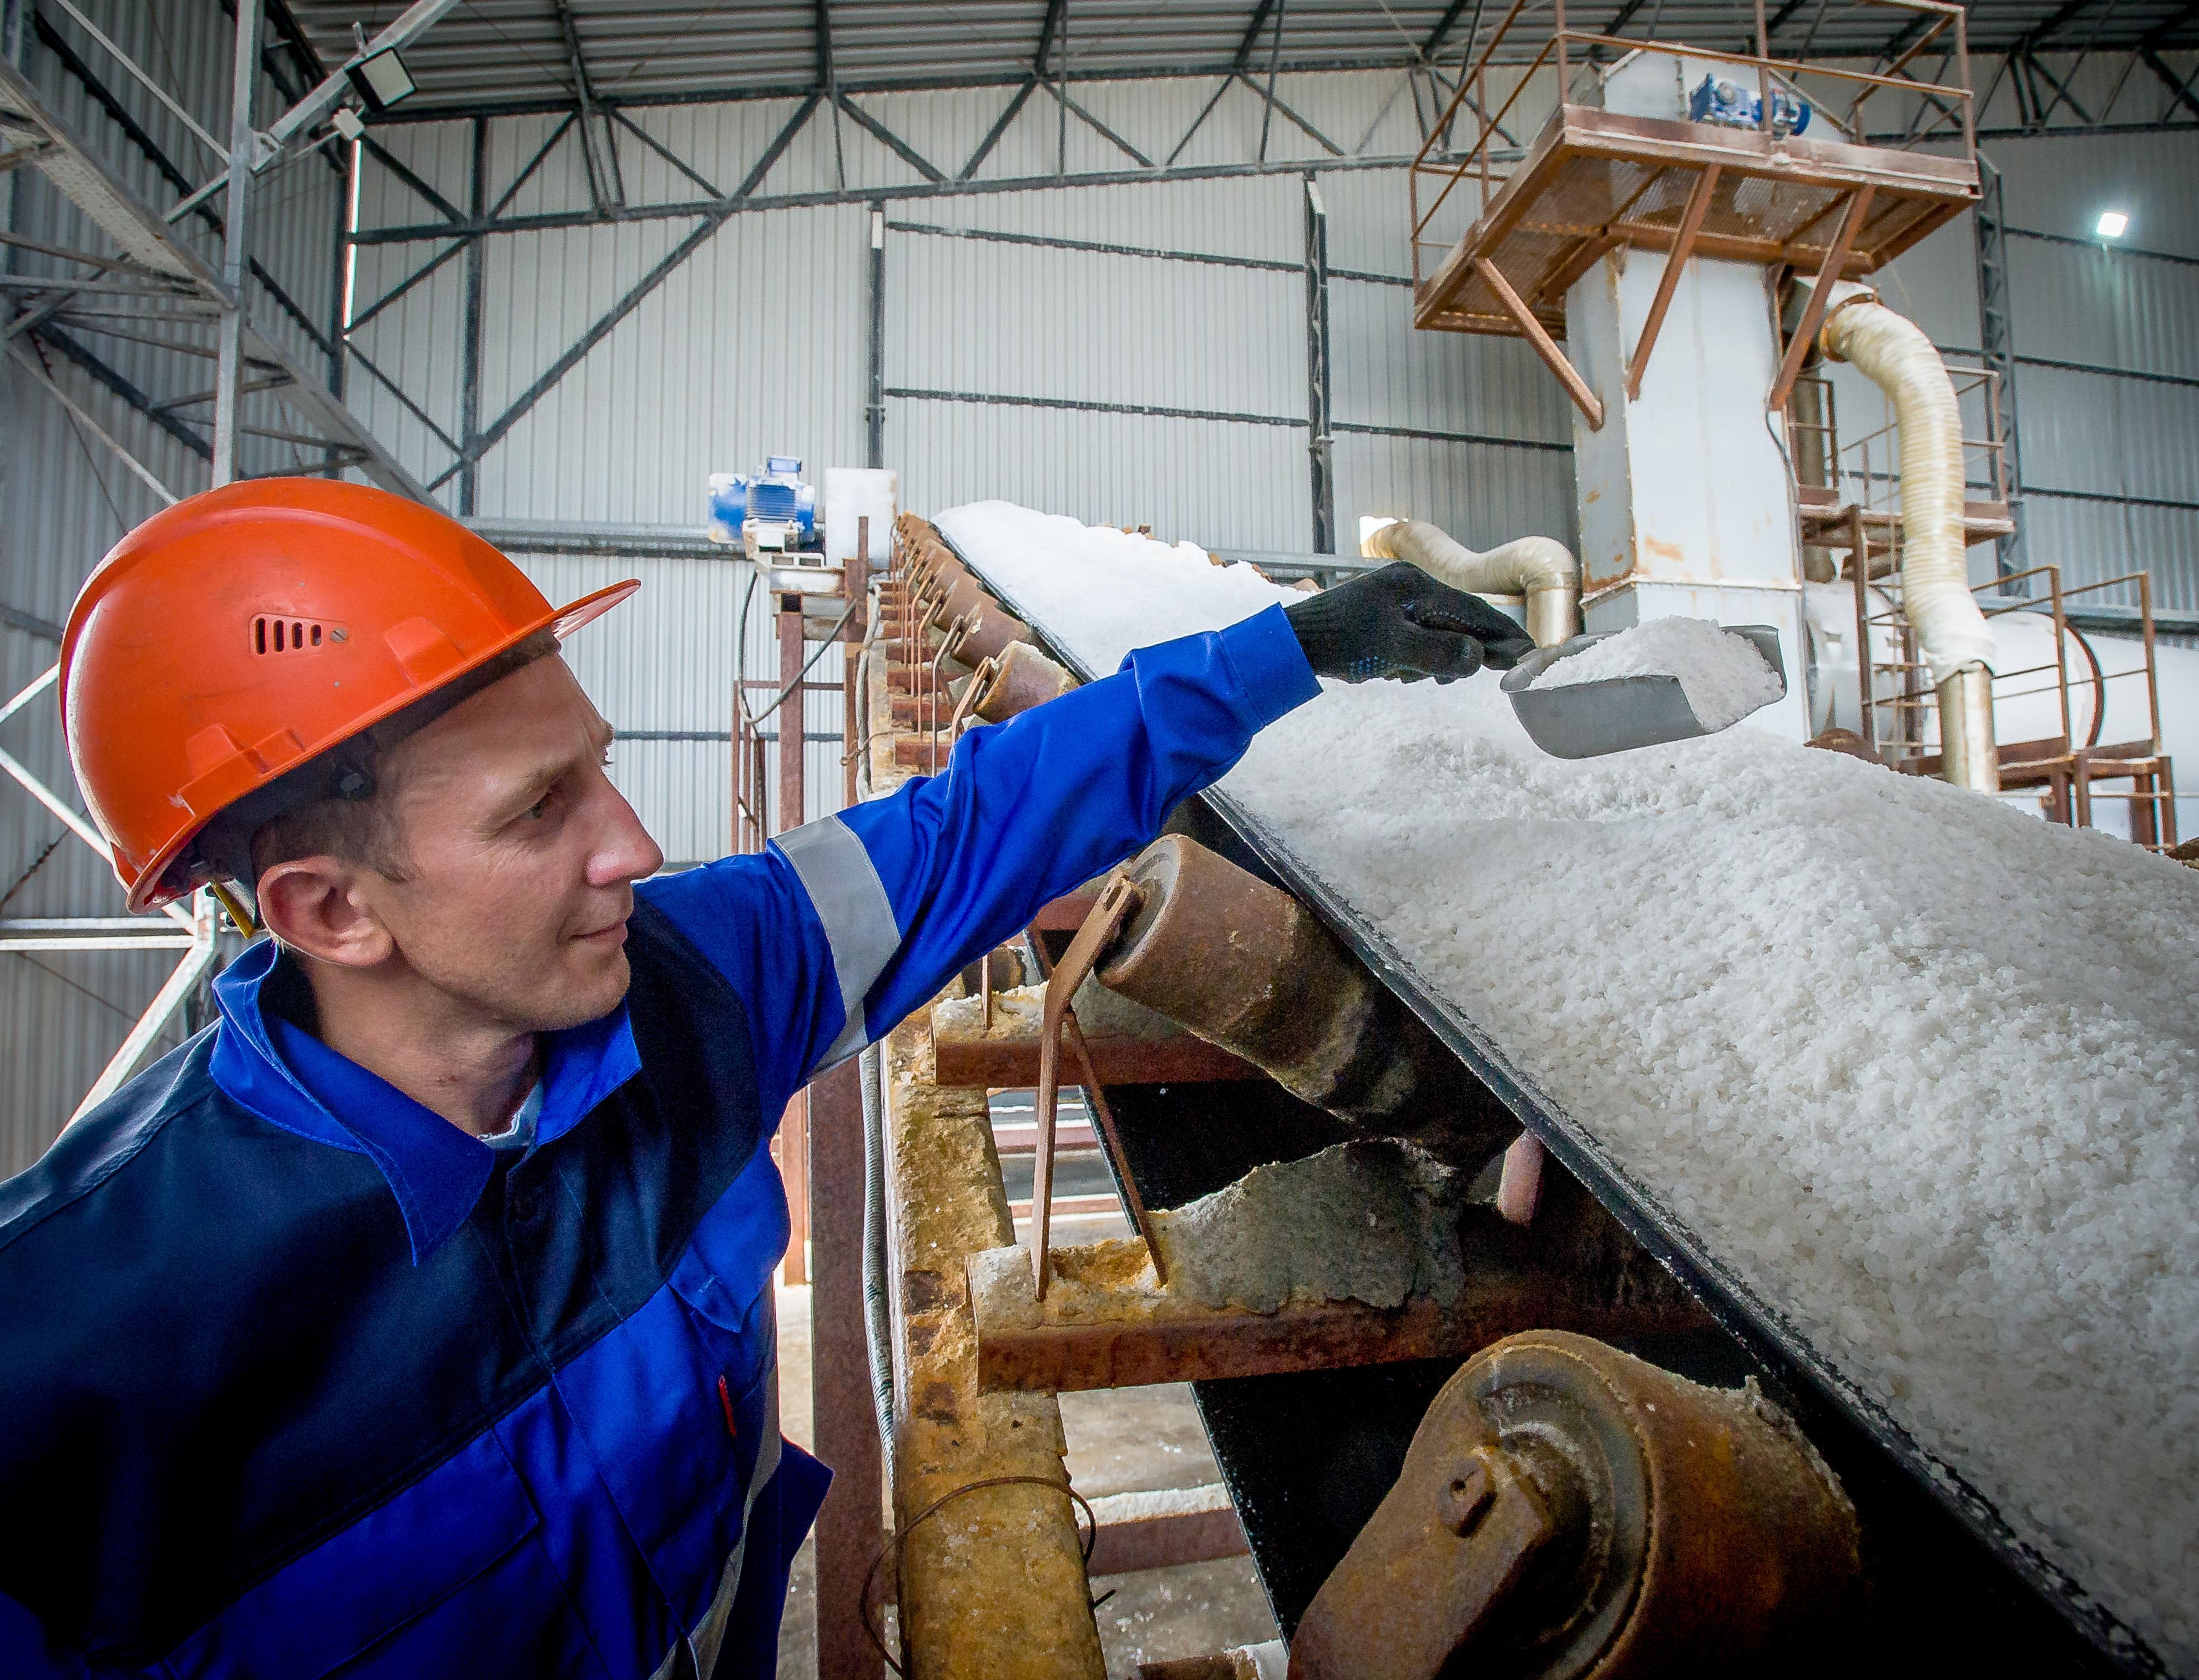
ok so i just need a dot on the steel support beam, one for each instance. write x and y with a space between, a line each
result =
874 409
1199 121
412 233
848 1528
115 383
1319 445
1001 126
598 144
892 141
1274 63
470 349
244 79
1997 330
1441 33
2180 88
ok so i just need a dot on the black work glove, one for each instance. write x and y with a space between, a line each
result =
1400 622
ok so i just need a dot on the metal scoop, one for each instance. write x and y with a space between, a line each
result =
1589 720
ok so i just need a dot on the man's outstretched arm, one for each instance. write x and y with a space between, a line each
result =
844 925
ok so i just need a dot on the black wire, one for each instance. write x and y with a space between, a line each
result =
832 641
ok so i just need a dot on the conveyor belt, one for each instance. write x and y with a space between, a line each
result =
1954 1582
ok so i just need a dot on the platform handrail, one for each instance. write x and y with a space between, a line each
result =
1956 101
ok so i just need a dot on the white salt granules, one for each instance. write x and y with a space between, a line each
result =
1921 1069
1722 675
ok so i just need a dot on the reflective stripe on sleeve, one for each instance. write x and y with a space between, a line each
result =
850 900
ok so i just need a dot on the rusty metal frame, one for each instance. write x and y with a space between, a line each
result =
1813 312
1116 902
1668 283
1545 346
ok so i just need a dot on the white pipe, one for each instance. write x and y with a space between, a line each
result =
1951 634
1542 568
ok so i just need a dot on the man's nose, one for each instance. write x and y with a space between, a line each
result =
625 852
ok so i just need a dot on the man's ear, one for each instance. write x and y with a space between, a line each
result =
318 905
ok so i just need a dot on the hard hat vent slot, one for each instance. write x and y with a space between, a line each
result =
270 634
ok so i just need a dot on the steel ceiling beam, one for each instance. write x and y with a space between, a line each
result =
1049 32
999 128
892 141
2181 89
1441 33
1261 13
598 145
412 233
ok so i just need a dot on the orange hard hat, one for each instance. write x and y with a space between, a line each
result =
242 632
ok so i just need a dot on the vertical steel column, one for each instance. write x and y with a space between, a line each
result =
229 377
1317 371
848 1528
469 395
874 411
793 797
856 585
1996 340
793 802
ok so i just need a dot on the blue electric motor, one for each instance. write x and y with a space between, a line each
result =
775 494
1731 105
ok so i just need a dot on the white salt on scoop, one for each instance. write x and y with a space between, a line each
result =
1923 1070
1722 675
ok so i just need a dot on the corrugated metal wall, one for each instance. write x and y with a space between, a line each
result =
64 501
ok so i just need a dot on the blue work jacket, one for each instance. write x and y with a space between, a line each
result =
298 1379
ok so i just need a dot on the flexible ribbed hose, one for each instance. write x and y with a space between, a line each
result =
1952 637
1542 568
878 1326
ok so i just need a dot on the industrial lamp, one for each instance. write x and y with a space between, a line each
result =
2112 223
381 78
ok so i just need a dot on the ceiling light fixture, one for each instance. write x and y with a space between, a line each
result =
2112 223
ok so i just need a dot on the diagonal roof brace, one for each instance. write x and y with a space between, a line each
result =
75 169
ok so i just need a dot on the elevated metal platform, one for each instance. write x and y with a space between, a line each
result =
1595 180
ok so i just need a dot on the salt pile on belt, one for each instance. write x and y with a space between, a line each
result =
1723 676
1922 1068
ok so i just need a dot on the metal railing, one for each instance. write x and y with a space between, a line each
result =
1867 470
1567 48
1898 698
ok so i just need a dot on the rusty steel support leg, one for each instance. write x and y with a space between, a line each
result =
849 1527
992 1587
793 798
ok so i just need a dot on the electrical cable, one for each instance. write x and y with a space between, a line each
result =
878 1329
830 641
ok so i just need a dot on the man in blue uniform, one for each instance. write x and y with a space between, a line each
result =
415 1319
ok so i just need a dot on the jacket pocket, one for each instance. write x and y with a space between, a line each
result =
726 1271
392 1566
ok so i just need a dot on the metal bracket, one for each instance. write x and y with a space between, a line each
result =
1118 901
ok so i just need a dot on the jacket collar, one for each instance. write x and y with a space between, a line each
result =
437 1172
